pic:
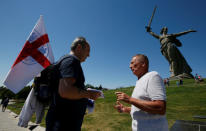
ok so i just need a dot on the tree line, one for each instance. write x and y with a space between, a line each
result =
4 92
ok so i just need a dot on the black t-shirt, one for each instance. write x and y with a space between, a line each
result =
64 109
71 67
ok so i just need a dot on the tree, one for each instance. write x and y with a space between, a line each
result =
23 93
6 92
100 87
90 86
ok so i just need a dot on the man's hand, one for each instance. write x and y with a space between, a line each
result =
69 91
93 94
122 97
119 107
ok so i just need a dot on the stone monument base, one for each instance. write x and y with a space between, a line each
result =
182 76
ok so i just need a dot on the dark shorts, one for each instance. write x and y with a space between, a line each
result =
56 122
62 126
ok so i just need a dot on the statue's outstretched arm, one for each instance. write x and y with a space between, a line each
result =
183 33
148 29
155 35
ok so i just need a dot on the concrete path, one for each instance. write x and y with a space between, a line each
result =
9 120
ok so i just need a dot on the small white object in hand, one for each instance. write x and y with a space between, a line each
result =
102 94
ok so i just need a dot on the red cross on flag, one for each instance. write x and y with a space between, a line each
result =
33 58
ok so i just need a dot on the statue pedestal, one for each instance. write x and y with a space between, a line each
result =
182 76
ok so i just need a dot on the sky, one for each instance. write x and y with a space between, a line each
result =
115 30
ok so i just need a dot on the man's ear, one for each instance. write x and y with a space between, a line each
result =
143 65
79 47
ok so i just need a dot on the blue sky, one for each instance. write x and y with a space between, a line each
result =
114 28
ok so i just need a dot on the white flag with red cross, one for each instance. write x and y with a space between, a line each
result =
33 58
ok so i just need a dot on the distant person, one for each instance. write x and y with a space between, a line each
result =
165 81
148 100
2 100
69 103
168 82
5 103
196 78
181 82
200 78
177 83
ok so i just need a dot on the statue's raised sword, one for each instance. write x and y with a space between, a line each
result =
149 25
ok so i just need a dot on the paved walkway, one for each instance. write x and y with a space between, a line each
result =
9 120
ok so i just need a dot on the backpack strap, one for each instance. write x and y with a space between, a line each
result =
57 67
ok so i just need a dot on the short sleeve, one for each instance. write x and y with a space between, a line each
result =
156 88
69 68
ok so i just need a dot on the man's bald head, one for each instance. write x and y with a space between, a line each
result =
142 58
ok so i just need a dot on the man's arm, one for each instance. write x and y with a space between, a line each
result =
153 107
69 91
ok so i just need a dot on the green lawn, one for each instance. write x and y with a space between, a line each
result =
183 103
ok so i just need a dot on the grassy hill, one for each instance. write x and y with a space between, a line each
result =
183 102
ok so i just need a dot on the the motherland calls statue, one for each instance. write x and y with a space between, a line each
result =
169 44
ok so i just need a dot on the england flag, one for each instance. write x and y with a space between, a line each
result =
33 58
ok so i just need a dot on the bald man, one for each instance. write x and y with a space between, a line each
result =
148 100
